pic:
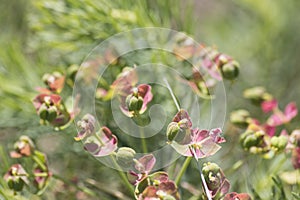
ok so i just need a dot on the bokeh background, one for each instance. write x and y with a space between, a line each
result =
46 35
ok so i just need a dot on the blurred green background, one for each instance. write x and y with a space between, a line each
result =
41 36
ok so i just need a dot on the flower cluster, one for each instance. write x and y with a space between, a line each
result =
155 186
216 64
272 136
49 104
17 177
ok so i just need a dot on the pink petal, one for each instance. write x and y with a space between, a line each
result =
291 111
144 91
199 134
268 106
270 130
215 135
275 120
146 163
212 69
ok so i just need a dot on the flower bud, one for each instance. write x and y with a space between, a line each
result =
279 143
212 175
52 113
43 112
210 167
134 103
230 70
15 184
257 95
125 156
250 141
172 131
240 118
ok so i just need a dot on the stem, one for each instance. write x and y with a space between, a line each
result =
182 170
204 182
204 185
122 175
172 94
144 143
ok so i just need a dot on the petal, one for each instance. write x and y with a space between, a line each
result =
215 135
275 120
268 106
290 111
146 163
199 134
212 69
145 92
270 130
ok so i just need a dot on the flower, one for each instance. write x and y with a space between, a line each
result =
216 181
257 95
87 126
102 144
269 105
50 109
55 82
143 165
23 147
155 187
240 118
193 142
236 196
279 117
16 177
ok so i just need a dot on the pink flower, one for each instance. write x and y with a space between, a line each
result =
279 117
136 100
103 144
268 106
189 142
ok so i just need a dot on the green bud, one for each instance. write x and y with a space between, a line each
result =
10 182
131 102
140 103
46 78
279 143
257 95
230 70
43 112
52 113
15 184
245 135
250 141
18 184
172 131
125 156
210 167
240 118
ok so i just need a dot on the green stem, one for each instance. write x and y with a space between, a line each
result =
183 169
144 143
122 175
40 163
4 158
